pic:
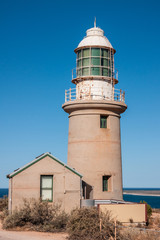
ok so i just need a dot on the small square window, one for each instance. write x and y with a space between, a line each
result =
85 71
105 183
86 52
105 53
46 188
95 71
95 61
85 62
103 121
95 51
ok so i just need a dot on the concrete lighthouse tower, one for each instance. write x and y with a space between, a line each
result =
94 107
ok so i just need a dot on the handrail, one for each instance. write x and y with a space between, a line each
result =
95 93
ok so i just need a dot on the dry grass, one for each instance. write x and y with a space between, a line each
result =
155 220
37 215
135 234
3 203
82 224
87 224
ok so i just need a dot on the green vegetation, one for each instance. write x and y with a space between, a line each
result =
149 211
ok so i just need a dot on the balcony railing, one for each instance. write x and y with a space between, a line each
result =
96 93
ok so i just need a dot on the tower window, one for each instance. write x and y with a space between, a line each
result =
105 183
103 121
46 188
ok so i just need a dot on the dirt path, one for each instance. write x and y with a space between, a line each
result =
14 235
29 235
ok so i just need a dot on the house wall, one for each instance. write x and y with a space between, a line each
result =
26 184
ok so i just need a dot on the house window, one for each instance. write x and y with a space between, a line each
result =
46 188
105 183
103 121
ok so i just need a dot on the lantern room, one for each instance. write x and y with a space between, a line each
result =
95 75
95 56
95 62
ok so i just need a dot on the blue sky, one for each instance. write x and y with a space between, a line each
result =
37 45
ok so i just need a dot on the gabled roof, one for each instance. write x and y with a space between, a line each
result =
37 159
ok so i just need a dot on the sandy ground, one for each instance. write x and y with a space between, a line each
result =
29 235
142 192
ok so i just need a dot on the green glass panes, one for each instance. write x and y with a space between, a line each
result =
46 191
86 52
103 121
79 54
79 63
105 183
79 72
105 71
104 62
95 61
95 52
85 71
105 53
95 71
85 62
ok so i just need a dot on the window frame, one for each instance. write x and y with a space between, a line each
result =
41 189
104 117
104 189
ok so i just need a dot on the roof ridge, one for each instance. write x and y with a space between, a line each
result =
38 159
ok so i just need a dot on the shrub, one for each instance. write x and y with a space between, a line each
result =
37 215
3 203
84 224
149 209
131 220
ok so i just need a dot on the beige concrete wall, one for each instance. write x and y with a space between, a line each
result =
95 151
126 212
66 184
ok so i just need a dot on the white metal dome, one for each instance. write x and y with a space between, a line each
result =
95 37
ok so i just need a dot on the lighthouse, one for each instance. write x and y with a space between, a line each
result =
94 106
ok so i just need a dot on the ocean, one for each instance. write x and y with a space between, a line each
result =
153 201
3 192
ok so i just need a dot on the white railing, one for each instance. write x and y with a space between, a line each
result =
97 93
